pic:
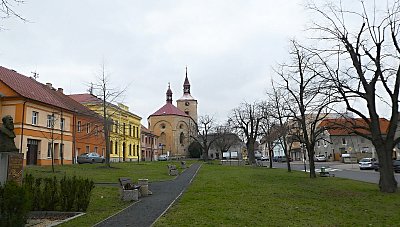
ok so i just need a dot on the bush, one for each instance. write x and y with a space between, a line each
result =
14 204
67 194
195 150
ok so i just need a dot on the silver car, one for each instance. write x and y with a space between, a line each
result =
367 163
90 158
320 158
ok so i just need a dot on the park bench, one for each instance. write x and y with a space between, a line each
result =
183 164
128 190
172 170
324 173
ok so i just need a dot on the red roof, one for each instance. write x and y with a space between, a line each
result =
169 109
83 98
341 126
29 88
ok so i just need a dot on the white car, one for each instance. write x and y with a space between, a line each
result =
367 163
320 158
162 157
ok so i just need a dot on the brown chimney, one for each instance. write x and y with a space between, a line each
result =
49 85
60 90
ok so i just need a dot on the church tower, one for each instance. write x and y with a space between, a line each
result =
187 103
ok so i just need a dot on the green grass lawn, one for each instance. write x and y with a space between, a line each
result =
245 196
99 173
105 200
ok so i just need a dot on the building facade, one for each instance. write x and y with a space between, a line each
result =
175 126
124 131
149 145
44 119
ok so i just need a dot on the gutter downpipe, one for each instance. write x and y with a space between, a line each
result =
22 126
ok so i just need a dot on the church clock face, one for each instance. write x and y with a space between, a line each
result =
187 103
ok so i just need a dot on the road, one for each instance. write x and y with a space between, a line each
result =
349 171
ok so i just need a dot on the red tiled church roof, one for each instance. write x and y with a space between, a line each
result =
169 109
341 126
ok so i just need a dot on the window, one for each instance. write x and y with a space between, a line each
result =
116 126
79 126
95 149
61 150
130 149
49 149
35 117
96 130
49 121
344 141
182 138
62 124
130 130
116 148
137 150
87 128
123 129
318 144
87 149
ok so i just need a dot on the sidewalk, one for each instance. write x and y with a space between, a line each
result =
149 209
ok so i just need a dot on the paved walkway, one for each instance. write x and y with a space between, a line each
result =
149 209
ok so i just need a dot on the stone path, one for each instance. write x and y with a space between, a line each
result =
149 209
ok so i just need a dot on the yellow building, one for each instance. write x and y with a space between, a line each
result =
125 131
175 124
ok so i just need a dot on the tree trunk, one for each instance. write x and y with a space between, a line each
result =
250 151
311 161
387 181
270 151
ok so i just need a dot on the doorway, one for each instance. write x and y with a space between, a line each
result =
32 153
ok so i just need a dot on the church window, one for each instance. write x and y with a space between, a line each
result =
182 138
163 126
181 126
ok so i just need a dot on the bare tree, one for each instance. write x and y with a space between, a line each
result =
108 96
247 120
279 112
7 9
364 65
308 97
205 127
226 139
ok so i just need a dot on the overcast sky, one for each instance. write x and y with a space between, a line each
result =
228 46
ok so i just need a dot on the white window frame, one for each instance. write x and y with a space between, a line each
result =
87 128
35 117
49 121
79 126
62 124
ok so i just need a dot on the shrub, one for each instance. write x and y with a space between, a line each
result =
195 149
14 204
67 194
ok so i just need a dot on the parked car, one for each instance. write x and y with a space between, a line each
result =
264 158
90 158
367 163
162 157
396 166
320 158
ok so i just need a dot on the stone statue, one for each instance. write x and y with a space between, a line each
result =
7 135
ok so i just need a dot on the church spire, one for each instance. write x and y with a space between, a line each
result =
169 94
186 84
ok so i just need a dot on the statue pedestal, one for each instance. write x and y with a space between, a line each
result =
11 167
